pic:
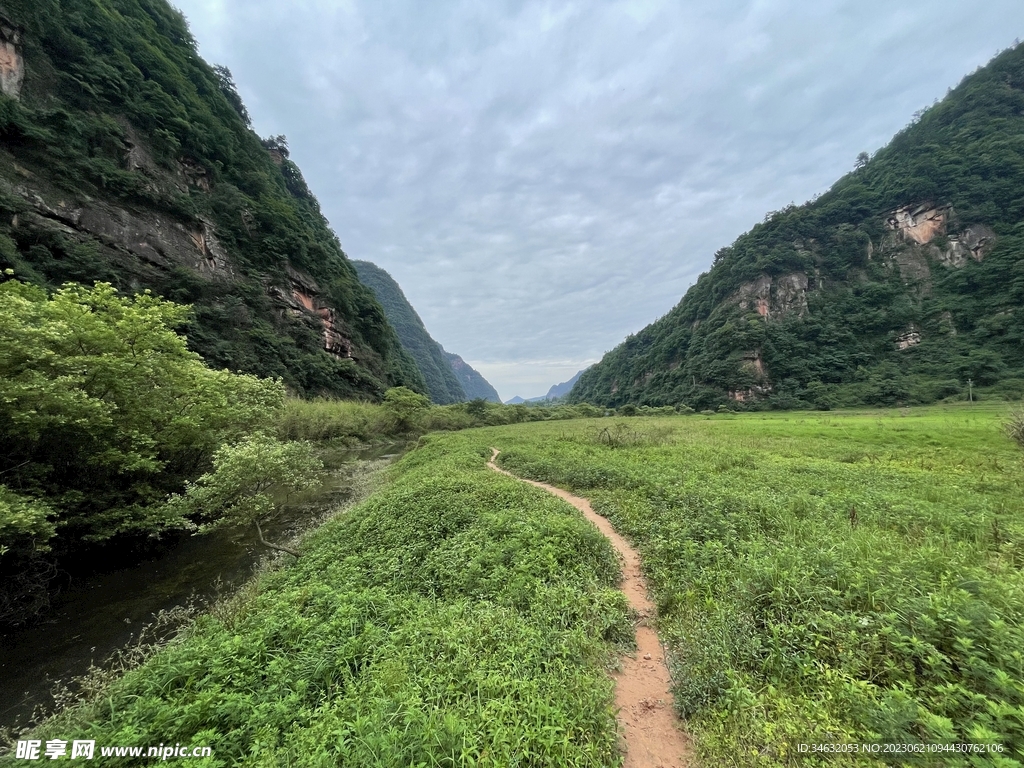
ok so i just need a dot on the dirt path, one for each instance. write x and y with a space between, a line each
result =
647 723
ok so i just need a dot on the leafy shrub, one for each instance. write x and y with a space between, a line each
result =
103 406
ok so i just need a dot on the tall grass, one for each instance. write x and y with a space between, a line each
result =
326 419
1015 426
361 422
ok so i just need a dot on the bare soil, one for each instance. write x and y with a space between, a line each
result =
652 735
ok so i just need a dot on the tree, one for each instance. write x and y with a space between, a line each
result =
26 525
104 410
227 87
246 482
403 407
278 143
477 408
862 160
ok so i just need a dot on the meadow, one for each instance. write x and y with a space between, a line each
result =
848 577
820 578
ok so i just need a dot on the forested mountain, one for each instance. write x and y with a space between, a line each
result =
904 283
561 390
473 384
449 378
125 157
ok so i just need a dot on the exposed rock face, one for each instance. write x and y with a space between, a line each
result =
913 266
149 237
920 223
920 237
194 175
974 242
752 363
910 338
775 297
303 298
158 241
12 66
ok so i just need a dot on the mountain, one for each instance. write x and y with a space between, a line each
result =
449 378
124 157
473 384
904 283
561 390
556 392
442 384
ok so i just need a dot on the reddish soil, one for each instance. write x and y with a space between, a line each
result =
648 726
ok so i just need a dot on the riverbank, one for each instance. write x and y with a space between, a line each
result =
455 615
100 618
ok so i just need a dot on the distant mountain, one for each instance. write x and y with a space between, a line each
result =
561 390
556 392
904 283
473 384
449 378
442 383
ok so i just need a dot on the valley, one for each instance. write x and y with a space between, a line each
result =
780 525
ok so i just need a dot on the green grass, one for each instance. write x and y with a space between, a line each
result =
849 577
456 617
820 578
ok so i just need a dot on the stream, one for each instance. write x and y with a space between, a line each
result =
100 613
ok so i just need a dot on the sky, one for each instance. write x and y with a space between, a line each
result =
544 179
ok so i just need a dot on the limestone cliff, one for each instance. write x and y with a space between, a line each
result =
124 157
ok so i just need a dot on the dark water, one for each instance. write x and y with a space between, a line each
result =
100 613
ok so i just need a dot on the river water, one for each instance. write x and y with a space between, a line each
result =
97 614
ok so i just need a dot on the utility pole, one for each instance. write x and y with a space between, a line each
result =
970 391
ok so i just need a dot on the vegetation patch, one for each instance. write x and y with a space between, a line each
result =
457 617
850 578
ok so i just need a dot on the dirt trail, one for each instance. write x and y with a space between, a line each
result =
647 722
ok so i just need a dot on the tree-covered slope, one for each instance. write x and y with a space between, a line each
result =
561 390
473 383
447 380
125 157
903 283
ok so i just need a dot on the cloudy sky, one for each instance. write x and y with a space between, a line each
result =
544 178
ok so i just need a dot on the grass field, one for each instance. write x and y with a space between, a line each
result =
848 577
820 578
456 617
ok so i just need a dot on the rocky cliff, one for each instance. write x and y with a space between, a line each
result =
125 157
900 284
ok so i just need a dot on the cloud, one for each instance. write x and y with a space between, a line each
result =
543 179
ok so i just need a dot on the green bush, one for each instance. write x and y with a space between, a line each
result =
105 411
